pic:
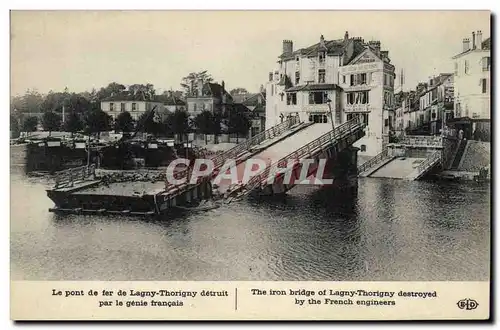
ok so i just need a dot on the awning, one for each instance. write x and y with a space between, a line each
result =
314 87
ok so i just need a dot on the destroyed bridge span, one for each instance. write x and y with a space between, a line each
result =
276 146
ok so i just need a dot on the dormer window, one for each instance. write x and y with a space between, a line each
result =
321 57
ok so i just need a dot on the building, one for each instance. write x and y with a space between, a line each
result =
172 102
434 101
472 78
346 77
134 103
208 97
255 108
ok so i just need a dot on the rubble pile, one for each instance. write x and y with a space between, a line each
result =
131 176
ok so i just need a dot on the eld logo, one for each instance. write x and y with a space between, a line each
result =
467 304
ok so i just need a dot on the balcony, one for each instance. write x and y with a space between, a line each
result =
355 88
349 108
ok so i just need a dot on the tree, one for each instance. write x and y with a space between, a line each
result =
124 122
112 88
189 82
238 90
149 123
73 123
239 123
51 121
147 90
30 124
205 123
97 121
178 122
14 126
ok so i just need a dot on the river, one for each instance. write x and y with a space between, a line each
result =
389 230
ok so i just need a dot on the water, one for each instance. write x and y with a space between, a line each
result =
390 230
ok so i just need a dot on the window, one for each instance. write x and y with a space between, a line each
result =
456 68
297 59
364 117
484 85
363 78
321 76
297 77
291 98
203 107
386 122
358 98
134 106
486 63
352 80
343 79
466 66
281 96
321 57
363 147
194 107
122 107
111 107
318 97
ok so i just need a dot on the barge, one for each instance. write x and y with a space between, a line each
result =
83 191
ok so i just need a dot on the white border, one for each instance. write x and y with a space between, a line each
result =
199 4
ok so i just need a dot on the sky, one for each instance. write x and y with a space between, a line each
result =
81 50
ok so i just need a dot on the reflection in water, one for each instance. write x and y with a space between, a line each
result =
386 230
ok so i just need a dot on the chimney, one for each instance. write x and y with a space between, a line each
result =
261 89
473 40
346 35
270 76
479 41
375 45
466 44
287 47
322 41
223 92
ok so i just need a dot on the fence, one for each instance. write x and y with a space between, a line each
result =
374 160
423 167
67 178
421 140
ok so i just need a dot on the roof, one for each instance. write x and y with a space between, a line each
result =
314 87
485 45
251 99
170 99
332 47
128 96
215 90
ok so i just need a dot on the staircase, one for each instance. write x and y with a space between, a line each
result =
458 155
307 151
425 166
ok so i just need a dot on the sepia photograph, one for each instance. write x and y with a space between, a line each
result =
250 146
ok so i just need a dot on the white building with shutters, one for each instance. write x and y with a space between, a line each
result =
347 75
472 78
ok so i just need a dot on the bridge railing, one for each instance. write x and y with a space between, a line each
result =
374 160
219 159
308 149
255 140
426 164
67 178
